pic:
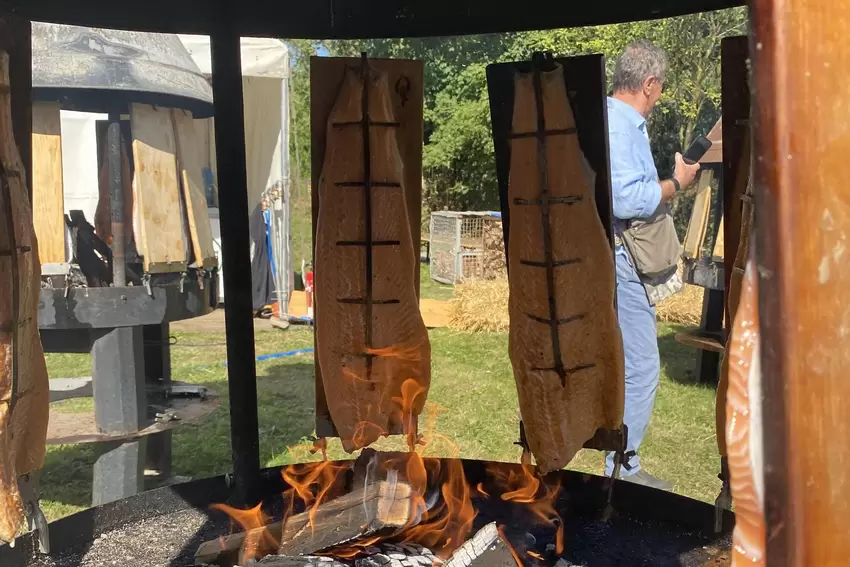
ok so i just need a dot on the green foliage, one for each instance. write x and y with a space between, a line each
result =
459 165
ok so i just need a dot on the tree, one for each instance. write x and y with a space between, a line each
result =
459 165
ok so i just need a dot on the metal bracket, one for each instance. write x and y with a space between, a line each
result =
724 499
180 390
28 487
146 281
55 269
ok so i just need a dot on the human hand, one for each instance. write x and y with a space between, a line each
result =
683 172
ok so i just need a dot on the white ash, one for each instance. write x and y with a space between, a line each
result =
399 555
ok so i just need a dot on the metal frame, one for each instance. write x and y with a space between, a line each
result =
585 494
350 19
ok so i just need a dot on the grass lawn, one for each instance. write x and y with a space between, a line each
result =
472 384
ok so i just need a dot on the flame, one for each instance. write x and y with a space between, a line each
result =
519 561
313 481
525 487
258 539
442 512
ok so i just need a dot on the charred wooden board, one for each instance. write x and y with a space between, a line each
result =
565 343
406 80
371 341
24 389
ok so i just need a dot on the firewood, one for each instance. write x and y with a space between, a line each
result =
485 549
311 561
381 507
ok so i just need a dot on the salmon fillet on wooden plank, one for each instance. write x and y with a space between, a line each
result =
367 352
743 425
569 375
23 372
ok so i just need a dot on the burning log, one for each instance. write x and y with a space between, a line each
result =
486 548
379 508
281 561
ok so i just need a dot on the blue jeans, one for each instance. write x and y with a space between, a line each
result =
643 365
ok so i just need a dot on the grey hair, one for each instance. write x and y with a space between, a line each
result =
640 60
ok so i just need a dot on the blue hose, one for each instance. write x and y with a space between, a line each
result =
264 357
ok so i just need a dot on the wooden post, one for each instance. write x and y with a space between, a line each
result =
802 134
15 39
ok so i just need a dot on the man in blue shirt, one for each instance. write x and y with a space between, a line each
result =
637 193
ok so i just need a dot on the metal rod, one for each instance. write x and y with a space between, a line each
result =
116 198
543 166
236 250
367 202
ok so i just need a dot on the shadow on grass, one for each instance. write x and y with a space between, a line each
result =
286 411
678 361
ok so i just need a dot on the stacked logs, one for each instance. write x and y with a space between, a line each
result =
493 258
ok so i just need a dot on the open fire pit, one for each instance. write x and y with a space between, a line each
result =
472 513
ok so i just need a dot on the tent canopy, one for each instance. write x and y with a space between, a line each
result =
260 57
341 19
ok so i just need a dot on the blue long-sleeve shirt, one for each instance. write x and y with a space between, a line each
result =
635 188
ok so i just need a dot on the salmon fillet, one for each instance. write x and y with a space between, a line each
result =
367 352
743 427
570 377
23 373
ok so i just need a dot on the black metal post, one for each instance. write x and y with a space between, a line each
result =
157 349
116 199
120 407
236 247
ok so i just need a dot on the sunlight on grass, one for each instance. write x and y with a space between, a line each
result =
472 386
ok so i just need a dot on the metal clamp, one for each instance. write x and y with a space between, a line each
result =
146 281
28 487
183 277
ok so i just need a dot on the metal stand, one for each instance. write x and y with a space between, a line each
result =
120 402
157 351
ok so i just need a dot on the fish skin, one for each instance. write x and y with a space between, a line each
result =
363 408
744 427
560 419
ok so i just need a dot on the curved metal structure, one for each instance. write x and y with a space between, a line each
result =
679 527
352 19
98 70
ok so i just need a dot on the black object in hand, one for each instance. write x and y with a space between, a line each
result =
698 149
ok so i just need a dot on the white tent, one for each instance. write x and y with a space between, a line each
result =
265 87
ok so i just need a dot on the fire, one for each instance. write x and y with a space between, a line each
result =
258 540
442 513
312 482
525 487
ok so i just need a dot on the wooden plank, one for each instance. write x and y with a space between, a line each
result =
190 161
700 340
24 389
48 196
719 248
800 52
698 224
157 189
407 80
735 96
